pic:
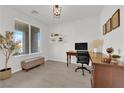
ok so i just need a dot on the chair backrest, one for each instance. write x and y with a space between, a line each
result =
83 57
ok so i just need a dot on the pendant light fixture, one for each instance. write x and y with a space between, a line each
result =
56 10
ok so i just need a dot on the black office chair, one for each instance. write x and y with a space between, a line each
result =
83 58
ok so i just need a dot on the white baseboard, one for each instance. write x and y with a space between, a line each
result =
66 62
17 70
56 60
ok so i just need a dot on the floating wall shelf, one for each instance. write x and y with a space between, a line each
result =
56 37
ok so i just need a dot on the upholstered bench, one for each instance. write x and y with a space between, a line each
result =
32 62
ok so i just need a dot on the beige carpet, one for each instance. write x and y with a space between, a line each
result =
50 75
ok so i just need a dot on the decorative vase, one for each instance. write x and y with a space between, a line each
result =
109 51
110 58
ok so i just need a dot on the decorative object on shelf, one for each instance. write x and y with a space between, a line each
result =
116 19
106 60
60 39
115 57
56 37
57 10
109 51
108 26
8 47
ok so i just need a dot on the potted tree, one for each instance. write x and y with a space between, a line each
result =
8 47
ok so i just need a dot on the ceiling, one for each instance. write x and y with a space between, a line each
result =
68 13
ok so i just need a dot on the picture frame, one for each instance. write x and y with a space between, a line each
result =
104 29
116 19
108 26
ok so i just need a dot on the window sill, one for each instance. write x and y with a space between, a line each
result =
25 55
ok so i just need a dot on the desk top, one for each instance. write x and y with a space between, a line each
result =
71 52
97 58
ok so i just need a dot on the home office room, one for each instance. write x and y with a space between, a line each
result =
62 45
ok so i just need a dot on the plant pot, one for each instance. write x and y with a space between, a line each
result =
5 73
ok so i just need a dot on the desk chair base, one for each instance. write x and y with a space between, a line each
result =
82 69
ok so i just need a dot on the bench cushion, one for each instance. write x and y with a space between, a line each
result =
32 62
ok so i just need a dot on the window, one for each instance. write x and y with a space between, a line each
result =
35 39
22 33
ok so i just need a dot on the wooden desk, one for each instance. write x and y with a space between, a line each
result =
106 75
69 54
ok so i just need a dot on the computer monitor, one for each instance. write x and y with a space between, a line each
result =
81 46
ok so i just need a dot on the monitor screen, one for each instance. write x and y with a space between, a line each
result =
81 46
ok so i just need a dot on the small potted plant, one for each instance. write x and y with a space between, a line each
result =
8 47
115 57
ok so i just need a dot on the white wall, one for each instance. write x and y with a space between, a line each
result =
115 38
7 18
84 30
